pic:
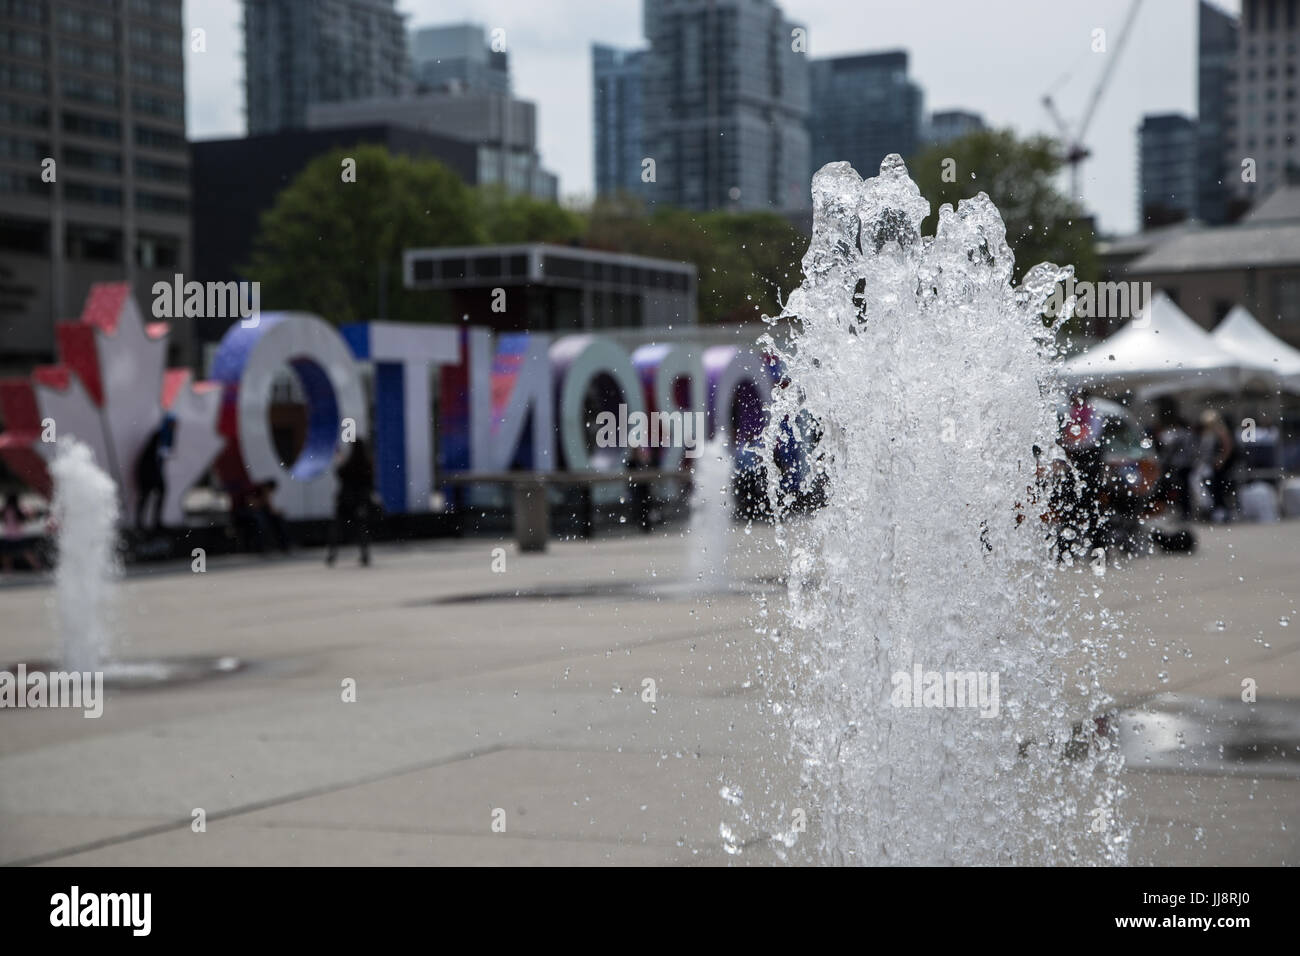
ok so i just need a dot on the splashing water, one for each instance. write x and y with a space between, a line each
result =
709 531
928 377
85 512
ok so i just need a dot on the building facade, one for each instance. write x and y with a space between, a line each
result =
1254 262
618 115
300 52
726 105
947 125
552 288
1216 49
1264 111
864 108
501 129
1167 169
457 56
94 168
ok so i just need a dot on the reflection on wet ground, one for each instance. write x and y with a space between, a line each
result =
612 590
146 673
1186 734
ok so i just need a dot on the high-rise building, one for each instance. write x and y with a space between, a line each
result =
1168 172
864 108
300 52
1264 117
617 117
502 129
726 105
948 125
462 92
94 167
458 56
1216 48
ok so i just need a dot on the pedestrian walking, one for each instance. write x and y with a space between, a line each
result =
352 504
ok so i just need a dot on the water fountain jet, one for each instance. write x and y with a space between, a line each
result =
928 375
85 510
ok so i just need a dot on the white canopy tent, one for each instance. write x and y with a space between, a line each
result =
1258 349
1161 349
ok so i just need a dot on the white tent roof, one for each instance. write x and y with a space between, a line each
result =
1160 346
1257 348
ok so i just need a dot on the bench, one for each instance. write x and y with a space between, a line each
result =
532 519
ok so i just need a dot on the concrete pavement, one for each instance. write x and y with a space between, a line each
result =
476 707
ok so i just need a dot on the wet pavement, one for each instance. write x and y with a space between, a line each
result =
526 692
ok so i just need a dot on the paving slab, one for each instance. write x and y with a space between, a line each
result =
529 691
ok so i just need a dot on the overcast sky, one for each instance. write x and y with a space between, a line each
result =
996 57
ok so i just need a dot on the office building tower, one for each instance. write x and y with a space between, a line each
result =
726 105
300 52
1216 49
864 108
94 167
946 125
458 56
617 118
1168 172
1264 118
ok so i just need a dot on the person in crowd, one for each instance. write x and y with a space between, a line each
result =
356 476
1218 453
149 481
1081 439
243 516
269 516
1177 447
15 540
256 519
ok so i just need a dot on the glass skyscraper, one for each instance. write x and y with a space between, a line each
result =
1216 51
97 90
726 105
864 108
1168 171
617 116
300 52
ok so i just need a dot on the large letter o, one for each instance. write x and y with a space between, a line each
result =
246 364
578 360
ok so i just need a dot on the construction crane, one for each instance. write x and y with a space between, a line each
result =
1075 151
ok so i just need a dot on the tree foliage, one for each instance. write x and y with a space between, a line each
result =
1019 176
335 247
747 262
507 218
329 246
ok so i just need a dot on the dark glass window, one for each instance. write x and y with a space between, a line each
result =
24 235
93 193
92 243
487 267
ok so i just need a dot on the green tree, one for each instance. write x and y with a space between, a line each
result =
766 250
335 247
746 262
1019 176
507 218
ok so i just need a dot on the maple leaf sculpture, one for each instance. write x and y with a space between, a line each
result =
111 392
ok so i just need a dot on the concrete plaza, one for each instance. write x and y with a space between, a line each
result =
473 699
